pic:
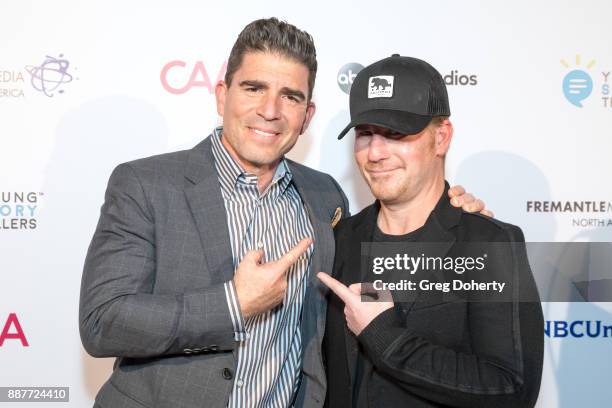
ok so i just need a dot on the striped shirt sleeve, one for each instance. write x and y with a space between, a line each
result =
240 333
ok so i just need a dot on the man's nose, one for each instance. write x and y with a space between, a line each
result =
269 108
378 149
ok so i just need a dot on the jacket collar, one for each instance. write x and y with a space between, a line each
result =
203 194
436 230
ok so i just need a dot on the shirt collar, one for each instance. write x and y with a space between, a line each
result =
231 172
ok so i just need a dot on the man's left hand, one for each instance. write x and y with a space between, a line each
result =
358 313
469 203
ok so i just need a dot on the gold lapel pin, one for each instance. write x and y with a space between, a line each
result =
337 216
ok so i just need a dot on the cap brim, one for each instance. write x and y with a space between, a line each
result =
403 122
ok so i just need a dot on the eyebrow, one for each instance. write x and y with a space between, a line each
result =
294 92
253 84
250 83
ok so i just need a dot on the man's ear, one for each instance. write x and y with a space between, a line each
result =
444 135
310 111
220 95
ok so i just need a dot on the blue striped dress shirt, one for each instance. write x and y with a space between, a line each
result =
270 344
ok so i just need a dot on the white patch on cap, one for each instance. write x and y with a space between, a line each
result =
380 86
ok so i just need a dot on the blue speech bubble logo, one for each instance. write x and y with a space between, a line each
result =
577 86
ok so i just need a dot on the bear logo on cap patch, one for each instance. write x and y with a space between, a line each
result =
380 86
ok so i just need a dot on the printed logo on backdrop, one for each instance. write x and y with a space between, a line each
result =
579 83
12 330
178 77
49 77
456 78
18 210
347 74
12 84
577 329
581 214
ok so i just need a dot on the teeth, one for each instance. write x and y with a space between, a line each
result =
261 132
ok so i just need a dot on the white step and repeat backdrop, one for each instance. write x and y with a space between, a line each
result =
87 85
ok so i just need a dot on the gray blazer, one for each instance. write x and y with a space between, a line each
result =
152 290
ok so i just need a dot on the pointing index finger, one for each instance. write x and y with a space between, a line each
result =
294 253
338 288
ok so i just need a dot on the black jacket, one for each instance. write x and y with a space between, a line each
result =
431 352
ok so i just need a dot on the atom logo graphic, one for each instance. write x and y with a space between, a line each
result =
50 75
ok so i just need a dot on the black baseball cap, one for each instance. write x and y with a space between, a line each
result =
399 93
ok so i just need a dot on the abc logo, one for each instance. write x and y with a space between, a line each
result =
347 75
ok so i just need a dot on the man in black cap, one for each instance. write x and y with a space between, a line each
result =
433 350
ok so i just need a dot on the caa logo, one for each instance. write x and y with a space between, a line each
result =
12 331
347 75
577 328
174 78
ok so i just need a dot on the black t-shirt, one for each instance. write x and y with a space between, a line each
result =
378 236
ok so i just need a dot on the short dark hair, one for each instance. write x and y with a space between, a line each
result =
272 35
438 120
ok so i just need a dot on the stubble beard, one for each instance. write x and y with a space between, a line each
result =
387 190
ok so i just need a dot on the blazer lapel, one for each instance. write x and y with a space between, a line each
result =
315 306
437 239
435 242
319 218
203 194
363 233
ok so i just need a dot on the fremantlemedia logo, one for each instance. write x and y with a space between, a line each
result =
177 77
49 78
347 74
582 213
578 84
18 210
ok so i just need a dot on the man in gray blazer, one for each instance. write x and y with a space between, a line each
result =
201 275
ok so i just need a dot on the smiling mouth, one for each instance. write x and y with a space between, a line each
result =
263 132
380 171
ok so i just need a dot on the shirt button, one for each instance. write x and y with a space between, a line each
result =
239 383
227 374
260 245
